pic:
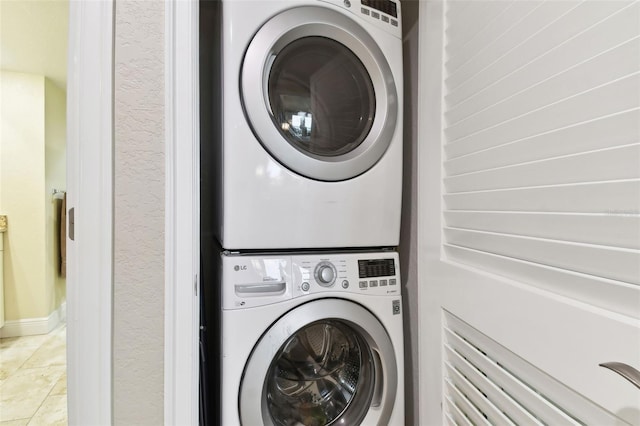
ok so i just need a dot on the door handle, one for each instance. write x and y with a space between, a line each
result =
626 371
261 289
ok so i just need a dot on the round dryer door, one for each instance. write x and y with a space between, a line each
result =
319 93
326 362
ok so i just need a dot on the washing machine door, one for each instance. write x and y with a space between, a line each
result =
327 362
319 94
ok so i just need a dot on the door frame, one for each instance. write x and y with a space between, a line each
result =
182 213
90 154
429 202
90 254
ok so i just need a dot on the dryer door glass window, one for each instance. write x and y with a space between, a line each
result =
322 375
321 97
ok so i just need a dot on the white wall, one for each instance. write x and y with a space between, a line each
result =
138 303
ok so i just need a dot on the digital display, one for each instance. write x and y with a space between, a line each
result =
384 6
376 268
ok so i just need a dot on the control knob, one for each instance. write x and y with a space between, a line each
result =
325 274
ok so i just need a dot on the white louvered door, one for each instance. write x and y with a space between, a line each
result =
529 211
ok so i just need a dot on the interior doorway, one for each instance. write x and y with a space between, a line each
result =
33 62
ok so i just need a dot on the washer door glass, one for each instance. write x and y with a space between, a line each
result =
321 375
321 96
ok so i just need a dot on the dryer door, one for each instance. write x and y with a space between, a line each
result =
327 362
319 93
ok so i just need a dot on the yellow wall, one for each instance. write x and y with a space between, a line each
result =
55 178
29 285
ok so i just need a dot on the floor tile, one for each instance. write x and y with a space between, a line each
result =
51 352
23 341
23 392
52 412
61 386
12 358
20 422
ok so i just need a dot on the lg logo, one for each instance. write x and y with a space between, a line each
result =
240 268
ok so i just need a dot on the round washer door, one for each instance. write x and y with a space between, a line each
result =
319 93
327 362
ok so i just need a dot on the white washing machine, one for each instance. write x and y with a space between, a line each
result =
312 339
310 130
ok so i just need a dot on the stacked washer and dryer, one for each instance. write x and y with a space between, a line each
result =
301 174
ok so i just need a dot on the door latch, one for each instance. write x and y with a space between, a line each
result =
72 223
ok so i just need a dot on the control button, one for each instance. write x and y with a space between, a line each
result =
363 284
365 11
394 22
375 15
383 283
392 281
345 284
385 18
305 286
347 3
373 283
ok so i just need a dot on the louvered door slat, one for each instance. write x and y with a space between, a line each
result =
494 415
511 74
520 392
618 197
617 96
606 132
606 262
501 48
569 82
515 412
454 416
605 39
613 295
506 21
464 412
599 229
619 163
549 35
548 389
459 36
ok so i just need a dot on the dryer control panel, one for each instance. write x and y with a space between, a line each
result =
252 280
384 14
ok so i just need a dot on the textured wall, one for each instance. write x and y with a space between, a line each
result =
138 311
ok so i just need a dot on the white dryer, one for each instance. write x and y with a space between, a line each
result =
310 135
312 339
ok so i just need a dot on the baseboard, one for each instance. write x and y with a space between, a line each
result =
34 326
63 311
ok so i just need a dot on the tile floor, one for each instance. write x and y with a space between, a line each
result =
33 379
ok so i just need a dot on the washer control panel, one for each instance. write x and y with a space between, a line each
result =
371 273
254 280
